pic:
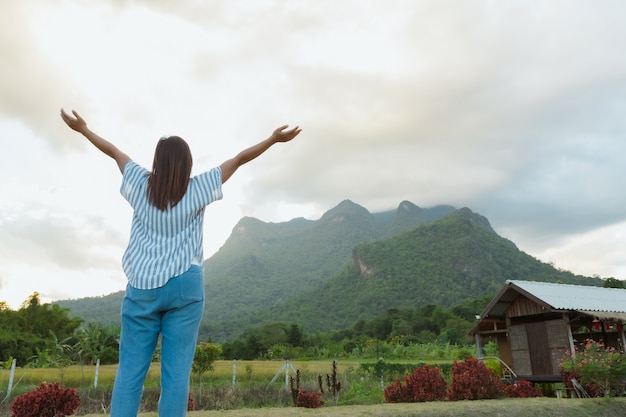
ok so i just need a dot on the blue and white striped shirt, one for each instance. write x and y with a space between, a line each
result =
164 244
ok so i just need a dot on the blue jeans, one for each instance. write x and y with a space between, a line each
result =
173 311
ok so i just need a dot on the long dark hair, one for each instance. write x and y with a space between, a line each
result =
170 172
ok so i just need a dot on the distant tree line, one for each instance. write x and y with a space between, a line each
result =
44 335
397 327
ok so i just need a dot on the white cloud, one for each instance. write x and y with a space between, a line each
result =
511 109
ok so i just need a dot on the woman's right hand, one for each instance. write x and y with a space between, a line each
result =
282 135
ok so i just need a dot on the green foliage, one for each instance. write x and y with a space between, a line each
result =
333 385
601 369
613 283
206 354
35 330
59 353
270 341
96 341
362 391
428 332
8 363
102 310
491 348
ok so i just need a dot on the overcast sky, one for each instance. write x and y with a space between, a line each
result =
515 109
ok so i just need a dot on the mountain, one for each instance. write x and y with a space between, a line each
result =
445 263
349 265
262 264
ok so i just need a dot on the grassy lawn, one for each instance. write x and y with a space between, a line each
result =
524 407
361 397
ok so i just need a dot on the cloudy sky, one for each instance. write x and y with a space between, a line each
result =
514 109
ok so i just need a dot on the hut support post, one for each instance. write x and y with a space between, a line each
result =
479 348
570 337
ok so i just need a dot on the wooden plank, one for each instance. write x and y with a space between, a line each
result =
558 341
520 355
522 307
539 348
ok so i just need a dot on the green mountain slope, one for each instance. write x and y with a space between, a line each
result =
445 263
264 264
349 265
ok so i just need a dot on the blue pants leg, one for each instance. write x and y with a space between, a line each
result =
138 339
179 333
173 311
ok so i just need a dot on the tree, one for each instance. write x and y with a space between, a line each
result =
272 334
39 318
25 333
294 335
455 331
206 354
98 342
613 283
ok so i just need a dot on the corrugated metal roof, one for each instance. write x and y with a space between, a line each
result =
576 297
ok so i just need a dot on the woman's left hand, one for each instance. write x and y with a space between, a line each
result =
76 123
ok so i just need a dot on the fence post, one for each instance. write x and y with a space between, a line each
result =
95 378
285 367
11 375
234 372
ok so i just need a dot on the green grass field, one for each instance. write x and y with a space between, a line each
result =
259 371
361 395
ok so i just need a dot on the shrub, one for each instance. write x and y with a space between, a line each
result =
191 405
522 389
309 399
424 384
302 398
472 380
592 389
49 400
600 370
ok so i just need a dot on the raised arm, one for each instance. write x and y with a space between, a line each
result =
279 135
78 124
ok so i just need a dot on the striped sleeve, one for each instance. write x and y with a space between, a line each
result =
133 181
208 186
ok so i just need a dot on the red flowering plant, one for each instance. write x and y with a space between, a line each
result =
49 400
424 384
601 369
309 399
522 389
472 380
191 405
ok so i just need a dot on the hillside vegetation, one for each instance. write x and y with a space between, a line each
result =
349 265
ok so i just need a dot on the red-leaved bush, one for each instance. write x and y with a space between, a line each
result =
424 384
309 399
522 389
49 400
191 405
472 380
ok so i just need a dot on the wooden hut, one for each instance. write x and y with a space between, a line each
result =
536 323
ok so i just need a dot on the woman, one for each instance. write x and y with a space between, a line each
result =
163 263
